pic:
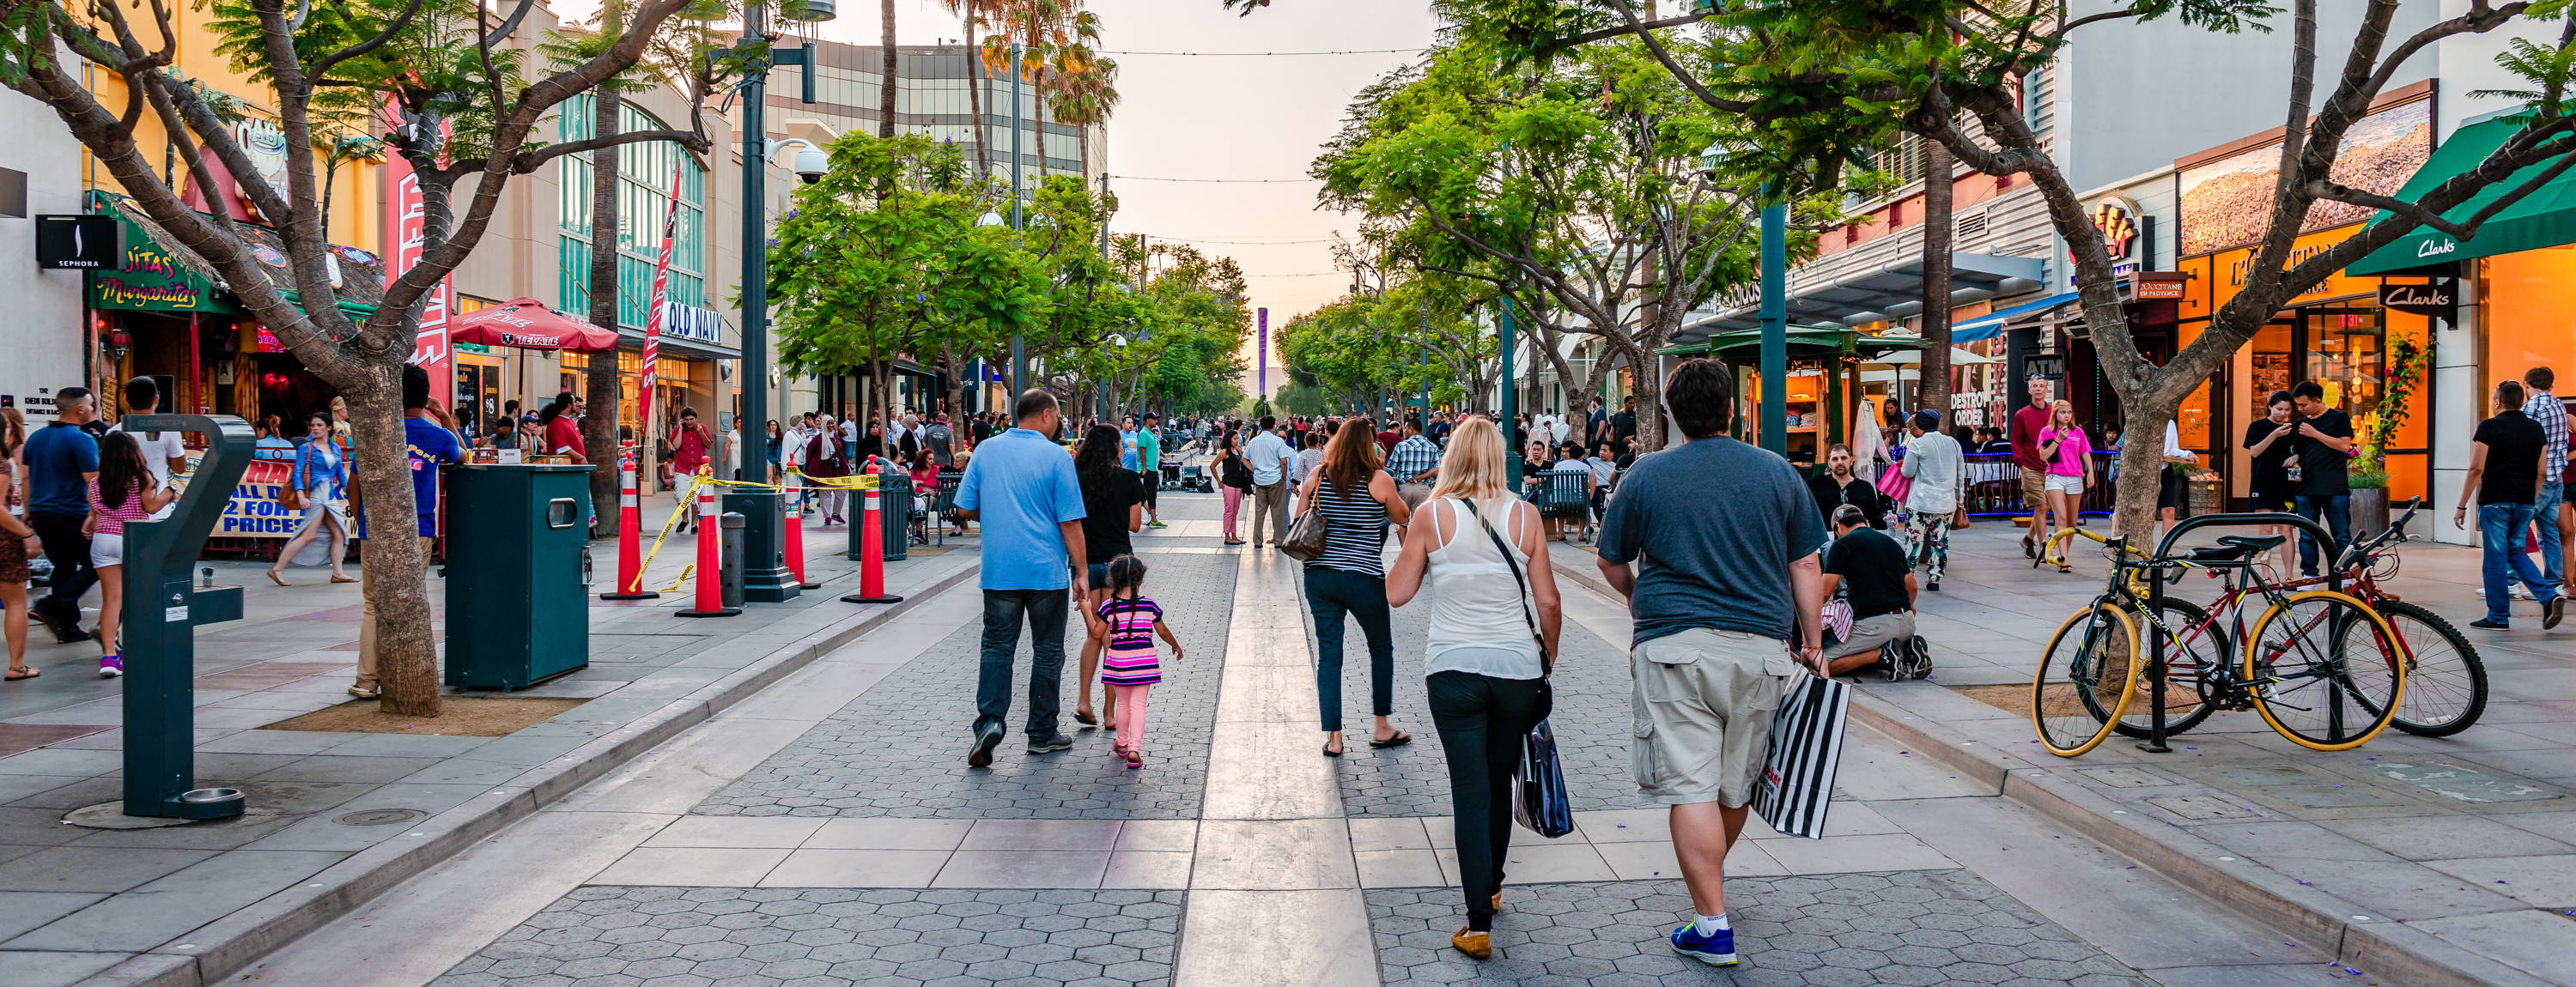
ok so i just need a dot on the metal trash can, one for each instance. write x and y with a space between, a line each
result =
894 504
517 609
730 554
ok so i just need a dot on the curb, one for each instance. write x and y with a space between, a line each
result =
2385 948
2381 947
229 944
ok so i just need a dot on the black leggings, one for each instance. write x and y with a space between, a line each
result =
1481 721
1153 482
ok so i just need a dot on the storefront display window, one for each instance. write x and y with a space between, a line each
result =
2527 324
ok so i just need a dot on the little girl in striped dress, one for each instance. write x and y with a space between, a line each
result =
1129 667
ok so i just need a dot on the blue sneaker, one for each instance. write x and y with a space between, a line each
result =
1714 949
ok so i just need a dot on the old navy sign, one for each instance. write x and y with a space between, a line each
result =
692 323
2440 299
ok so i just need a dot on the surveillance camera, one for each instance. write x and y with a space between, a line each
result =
811 163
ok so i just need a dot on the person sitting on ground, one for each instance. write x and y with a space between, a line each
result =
1871 567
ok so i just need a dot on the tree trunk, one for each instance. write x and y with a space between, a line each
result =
978 79
599 425
406 653
1938 232
886 90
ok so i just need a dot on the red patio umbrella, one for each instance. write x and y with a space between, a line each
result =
527 323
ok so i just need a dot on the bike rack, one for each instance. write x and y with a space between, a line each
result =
2155 742
162 613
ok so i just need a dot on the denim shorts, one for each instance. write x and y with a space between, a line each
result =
1099 574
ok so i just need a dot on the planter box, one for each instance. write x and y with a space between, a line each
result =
2369 511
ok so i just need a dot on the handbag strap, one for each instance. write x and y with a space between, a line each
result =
1546 662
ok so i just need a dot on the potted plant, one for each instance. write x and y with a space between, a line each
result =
2369 475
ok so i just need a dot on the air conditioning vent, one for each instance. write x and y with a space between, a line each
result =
1972 226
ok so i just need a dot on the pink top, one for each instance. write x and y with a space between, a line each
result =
2072 449
111 520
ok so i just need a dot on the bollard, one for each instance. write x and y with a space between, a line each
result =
731 585
630 536
796 538
710 598
872 561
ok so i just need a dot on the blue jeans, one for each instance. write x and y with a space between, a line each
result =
1330 595
2336 511
2544 515
2500 528
1003 610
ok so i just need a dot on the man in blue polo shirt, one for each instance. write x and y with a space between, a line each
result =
1021 485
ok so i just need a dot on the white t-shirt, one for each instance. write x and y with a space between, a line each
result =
157 454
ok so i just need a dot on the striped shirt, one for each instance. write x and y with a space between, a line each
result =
1354 530
1130 659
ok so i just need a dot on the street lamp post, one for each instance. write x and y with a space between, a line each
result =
765 577
1019 343
1775 328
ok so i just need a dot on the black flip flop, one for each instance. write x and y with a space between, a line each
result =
1086 719
1330 752
1400 739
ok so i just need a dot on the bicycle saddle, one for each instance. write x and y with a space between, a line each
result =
2234 548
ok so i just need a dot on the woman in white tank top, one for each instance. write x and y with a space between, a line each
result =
1482 664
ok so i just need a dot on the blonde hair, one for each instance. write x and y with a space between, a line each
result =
2061 405
1474 465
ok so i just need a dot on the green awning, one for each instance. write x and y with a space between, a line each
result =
156 273
2545 218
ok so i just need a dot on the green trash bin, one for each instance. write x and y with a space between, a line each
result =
894 505
518 545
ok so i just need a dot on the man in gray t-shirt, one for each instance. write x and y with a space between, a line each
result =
1714 543
941 443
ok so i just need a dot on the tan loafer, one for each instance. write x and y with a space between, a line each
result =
1477 944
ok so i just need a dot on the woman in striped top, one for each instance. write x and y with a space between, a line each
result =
1357 500
1129 669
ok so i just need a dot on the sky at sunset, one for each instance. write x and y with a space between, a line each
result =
1222 117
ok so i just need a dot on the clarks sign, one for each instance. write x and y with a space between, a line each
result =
2440 299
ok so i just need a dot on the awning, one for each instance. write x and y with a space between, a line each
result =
1991 324
1804 342
1892 289
2545 218
156 274
1958 358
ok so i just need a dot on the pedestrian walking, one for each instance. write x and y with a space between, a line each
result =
123 491
427 445
2323 445
59 459
1870 569
1023 487
1415 464
1149 459
2027 422
827 459
1131 669
1495 616
2545 410
18 542
165 454
1938 471
1731 576
2268 442
2069 455
321 475
1236 479
1113 508
1269 455
1356 500
1838 487
2505 477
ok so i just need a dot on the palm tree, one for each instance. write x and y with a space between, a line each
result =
1086 91
886 88
1054 37
974 13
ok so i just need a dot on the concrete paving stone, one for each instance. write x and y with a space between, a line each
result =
2530 940
1147 869
408 745
2547 881
1613 933
1399 833
926 707
296 742
1648 825
2448 836
152 913
1042 834
1036 948
2400 890
812 868
56 969
1652 861
21 911
1273 854
1165 835
97 869
15 787
1839 854
1023 869
61 761
342 768
710 831
691 867
1400 868
884 834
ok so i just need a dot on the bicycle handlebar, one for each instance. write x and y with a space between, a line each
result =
2395 531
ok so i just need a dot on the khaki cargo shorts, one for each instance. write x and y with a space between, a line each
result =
1704 703
2034 492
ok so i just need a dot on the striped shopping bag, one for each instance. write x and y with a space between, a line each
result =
1806 747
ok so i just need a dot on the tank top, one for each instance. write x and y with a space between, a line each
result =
1354 530
1477 624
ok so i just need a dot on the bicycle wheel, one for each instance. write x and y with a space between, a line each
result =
2086 676
2324 670
2446 684
2195 662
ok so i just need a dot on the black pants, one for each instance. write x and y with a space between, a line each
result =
1331 594
1153 480
1044 609
1481 721
68 550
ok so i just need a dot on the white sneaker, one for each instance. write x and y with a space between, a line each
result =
2519 591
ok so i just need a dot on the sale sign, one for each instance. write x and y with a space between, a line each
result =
253 511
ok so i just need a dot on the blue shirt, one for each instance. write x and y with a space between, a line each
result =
57 455
1022 487
1713 525
1127 452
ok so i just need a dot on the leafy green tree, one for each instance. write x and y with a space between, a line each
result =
1824 81
434 80
877 260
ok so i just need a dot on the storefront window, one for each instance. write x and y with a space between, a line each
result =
2526 324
